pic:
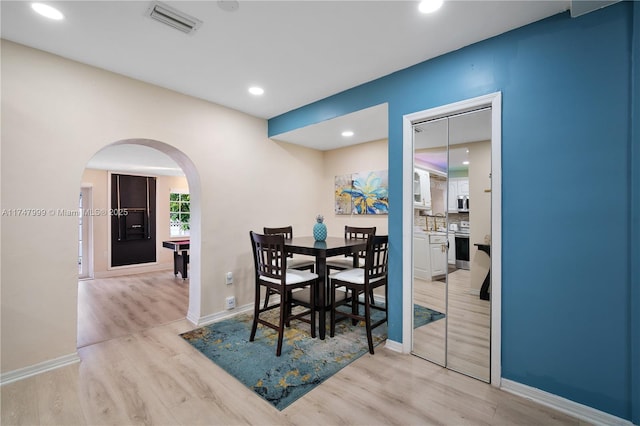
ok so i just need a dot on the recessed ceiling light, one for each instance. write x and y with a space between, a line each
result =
466 163
47 11
429 6
255 90
228 5
347 133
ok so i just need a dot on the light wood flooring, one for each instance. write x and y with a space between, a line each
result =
467 326
119 306
153 377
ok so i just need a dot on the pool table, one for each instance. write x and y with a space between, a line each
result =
180 256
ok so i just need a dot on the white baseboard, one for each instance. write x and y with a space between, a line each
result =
564 405
393 346
32 370
134 269
192 318
208 319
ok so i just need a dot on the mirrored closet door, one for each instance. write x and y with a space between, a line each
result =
452 241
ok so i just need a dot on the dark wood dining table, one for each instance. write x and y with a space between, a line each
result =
321 250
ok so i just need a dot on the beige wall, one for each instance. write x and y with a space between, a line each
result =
479 208
98 181
364 157
56 114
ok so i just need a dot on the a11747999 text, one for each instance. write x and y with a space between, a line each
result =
38 212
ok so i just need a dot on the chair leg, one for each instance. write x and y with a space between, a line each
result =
256 312
312 299
332 317
367 322
288 309
355 302
283 316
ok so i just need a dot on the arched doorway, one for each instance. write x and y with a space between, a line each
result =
137 158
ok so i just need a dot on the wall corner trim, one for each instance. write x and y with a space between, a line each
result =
42 367
563 405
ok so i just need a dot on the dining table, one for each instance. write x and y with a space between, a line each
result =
321 250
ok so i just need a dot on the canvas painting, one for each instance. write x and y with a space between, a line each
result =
362 193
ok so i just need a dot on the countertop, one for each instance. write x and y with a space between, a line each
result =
418 230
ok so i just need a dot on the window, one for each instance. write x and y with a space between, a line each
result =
180 213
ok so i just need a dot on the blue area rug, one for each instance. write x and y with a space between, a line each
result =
423 316
304 363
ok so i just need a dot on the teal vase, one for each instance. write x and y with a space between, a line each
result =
320 231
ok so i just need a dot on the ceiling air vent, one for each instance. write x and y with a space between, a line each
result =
173 18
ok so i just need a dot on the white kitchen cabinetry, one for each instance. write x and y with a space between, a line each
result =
451 256
452 204
438 254
457 186
421 189
429 255
463 186
421 256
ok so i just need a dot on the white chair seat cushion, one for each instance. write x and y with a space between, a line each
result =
293 276
355 276
300 261
345 262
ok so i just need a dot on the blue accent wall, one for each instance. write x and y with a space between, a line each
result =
570 142
634 246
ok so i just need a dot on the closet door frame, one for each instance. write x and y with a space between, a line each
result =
493 100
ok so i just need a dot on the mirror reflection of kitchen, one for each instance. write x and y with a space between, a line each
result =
451 243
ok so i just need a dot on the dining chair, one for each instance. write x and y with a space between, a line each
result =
271 272
361 281
293 262
347 262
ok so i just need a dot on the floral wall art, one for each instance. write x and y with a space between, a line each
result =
362 193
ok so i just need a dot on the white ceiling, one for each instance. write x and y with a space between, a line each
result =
298 51
132 158
367 125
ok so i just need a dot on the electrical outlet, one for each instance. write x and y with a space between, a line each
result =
229 278
230 302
